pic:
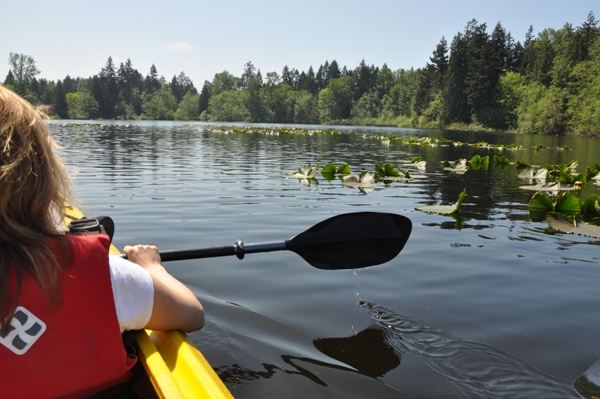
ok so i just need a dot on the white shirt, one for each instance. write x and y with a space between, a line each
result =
133 292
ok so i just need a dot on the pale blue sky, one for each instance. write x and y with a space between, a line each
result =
202 38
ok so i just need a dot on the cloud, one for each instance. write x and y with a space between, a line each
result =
180 47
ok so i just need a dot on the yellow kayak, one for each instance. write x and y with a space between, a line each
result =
174 366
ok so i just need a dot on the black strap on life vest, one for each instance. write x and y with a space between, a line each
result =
98 225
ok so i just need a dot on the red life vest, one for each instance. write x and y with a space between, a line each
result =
74 350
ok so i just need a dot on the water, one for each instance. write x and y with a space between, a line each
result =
495 306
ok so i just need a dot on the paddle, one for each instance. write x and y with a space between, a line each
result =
587 385
348 241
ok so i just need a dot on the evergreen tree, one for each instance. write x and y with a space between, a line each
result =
151 82
334 71
365 78
60 102
249 72
105 90
287 76
204 97
10 79
454 98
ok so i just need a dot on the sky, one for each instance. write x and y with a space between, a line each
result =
202 38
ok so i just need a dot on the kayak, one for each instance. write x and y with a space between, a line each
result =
171 362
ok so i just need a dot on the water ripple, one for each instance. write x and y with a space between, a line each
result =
466 368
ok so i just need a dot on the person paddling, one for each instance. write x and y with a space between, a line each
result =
64 302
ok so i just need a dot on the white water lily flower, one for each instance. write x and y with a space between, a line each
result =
459 166
364 180
306 172
531 173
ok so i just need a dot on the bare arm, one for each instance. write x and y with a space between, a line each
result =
175 306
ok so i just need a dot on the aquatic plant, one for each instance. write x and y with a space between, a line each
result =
388 172
330 171
593 172
522 165
445 209
538 147
458 166
501 161
305 172
479 162
565 202
558 170
531 173
572 225
364 182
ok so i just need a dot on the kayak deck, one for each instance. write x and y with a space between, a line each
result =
173 364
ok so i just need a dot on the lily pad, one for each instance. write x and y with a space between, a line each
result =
565 202
562 223
501 161
479 162
445 209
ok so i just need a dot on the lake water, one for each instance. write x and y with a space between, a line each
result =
495 307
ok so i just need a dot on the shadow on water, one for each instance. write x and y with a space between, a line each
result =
451 367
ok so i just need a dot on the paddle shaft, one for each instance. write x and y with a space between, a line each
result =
238 249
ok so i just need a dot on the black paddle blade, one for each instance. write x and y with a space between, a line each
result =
352 240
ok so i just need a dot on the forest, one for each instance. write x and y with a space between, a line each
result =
547 84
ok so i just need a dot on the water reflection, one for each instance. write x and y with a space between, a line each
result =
467 368
460 367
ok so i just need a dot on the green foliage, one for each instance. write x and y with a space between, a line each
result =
161 106
485 81
188 107
330 171
565 202
501 161
387 170
229 106
23 71
81 105
522 165
335 101
593 170
478 162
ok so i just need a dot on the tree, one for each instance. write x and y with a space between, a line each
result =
152 82
23 72
161 106
365 78
229 106
106 91
181 85
249 72
81 105
306 109
10 80
223 81
254 100
188 107
61 107
454 97
335 101
205 94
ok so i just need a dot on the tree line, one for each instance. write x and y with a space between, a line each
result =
548 84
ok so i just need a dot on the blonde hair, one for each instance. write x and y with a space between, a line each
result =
34 186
